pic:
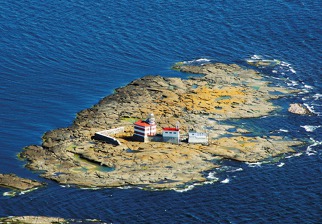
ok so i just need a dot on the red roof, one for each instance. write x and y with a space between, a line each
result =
142 123
170 129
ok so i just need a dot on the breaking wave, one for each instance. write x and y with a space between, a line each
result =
310 128
310 151
225 181
199 61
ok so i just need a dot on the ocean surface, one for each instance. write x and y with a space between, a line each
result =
60 57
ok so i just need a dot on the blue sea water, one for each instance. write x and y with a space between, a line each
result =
59 57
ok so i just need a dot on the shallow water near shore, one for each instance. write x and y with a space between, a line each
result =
58 58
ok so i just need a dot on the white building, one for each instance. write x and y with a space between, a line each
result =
171 135
198 137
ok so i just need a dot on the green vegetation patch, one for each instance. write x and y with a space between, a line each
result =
130 119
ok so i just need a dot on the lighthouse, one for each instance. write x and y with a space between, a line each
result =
145 129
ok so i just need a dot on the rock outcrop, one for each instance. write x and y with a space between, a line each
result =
297 108
32 219
18 183
71 156
43 220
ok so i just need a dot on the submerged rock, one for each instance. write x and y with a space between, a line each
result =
71 156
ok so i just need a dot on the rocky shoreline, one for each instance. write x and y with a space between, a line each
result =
71 155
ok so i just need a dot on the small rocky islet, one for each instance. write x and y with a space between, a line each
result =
18 184
219 92
44 220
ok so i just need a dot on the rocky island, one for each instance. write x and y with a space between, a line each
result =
202 102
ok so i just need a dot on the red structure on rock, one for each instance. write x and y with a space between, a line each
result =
145 129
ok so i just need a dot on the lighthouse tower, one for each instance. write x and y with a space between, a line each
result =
145 129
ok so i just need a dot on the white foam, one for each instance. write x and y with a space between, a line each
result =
188 188
308 87
202 60
310 128
298 154
199 61
294 155
255 56
125 187
211 182
90 188
292 83
277 78
236 170
229 169
283 63
317 96
281 164
10 193
304 91
258 164
283 130
226 181
309 150
310 108
211 176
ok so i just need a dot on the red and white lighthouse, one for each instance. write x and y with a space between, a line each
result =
145 129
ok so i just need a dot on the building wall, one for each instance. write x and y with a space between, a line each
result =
174 134
174 140
153 130
147 130
155 138
195 137
107 139
139 138
140 132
